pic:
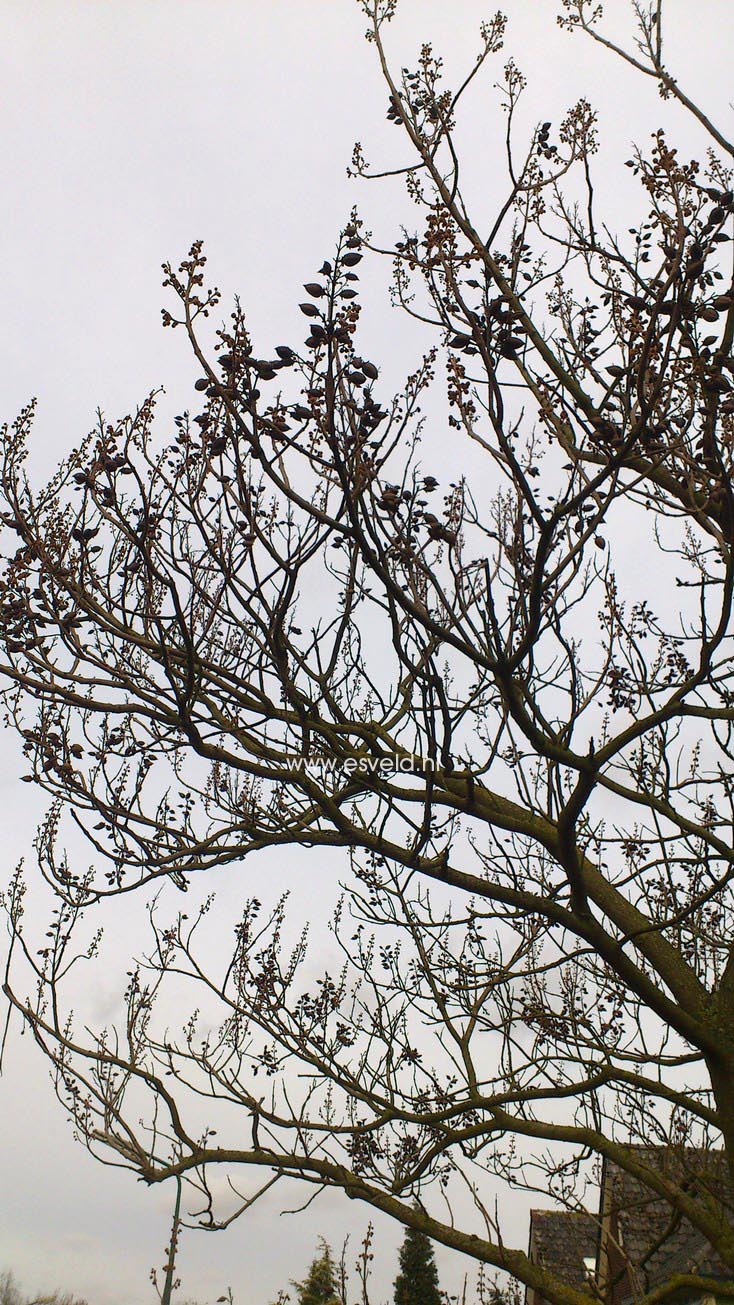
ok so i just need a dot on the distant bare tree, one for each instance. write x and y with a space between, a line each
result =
9 1290
11 1294
508 702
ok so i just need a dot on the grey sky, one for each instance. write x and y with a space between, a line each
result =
130 128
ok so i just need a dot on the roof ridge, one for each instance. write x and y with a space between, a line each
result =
544 1209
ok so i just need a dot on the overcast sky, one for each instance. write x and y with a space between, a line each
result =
130 128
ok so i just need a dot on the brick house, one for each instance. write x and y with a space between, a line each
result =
636 1240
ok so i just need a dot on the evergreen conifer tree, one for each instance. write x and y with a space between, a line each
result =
319 1286
417 1281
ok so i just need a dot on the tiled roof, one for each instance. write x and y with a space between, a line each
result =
562 1239
647 1240
655 1240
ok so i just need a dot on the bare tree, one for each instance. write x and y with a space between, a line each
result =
509 704
10 1294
